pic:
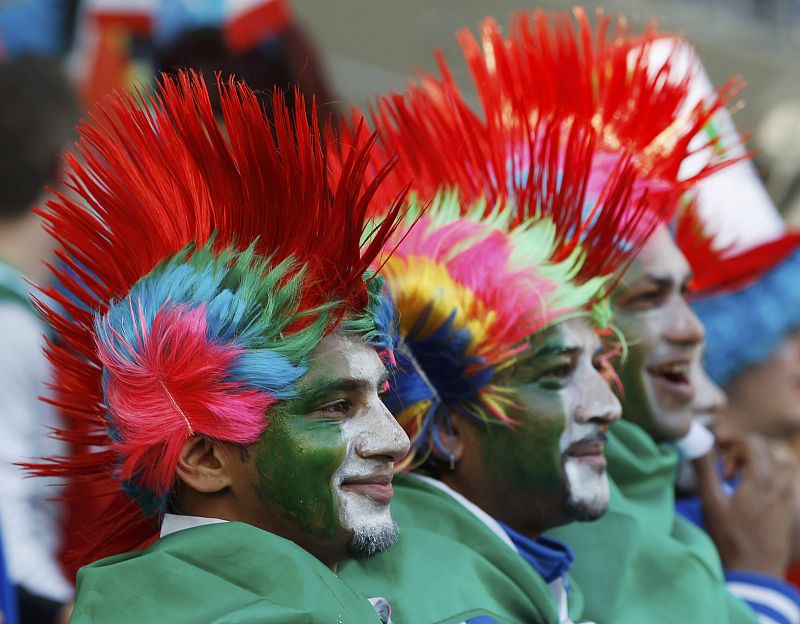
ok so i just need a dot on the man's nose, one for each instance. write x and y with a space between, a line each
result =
709 397
383 437
684 327
598 404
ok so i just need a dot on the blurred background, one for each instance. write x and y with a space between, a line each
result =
349 50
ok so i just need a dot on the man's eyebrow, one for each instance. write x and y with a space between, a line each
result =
344 384
662 281
556 349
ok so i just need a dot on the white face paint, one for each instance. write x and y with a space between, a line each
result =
591 407
374 441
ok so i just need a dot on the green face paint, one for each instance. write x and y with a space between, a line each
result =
296 459
318 459
528 454
549 468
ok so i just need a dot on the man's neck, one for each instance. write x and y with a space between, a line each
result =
528 531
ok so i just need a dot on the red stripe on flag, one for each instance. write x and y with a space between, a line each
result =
254 25
137 22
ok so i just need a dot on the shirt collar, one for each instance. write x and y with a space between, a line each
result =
476 511
173 523
549 557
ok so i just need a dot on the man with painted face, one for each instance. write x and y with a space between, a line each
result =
223 342
641 530
502 380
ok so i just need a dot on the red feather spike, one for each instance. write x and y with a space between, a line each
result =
545 68
156 172
698 245
546 165
544 78
717 269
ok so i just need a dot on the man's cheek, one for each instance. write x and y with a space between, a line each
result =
297 461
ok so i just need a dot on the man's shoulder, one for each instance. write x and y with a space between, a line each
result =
220 572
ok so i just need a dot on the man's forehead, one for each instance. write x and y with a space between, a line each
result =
659 260
339 356
574 334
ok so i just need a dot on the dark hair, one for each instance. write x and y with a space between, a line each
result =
38 114
286 60
206 51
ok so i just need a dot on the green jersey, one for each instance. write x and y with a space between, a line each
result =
449 566
641 562
221 573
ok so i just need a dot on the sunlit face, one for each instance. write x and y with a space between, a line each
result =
550 468
664 337
709 399
324 465
765 397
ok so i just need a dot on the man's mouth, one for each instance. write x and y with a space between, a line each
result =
589 451
674 377
377 487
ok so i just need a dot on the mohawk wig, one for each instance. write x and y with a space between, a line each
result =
637 102
200 268
538 204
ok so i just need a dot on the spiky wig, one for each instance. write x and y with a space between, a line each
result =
615 77
539 202
200 268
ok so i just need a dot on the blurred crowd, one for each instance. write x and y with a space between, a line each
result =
745 494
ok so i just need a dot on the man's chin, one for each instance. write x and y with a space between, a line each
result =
587 491
369 539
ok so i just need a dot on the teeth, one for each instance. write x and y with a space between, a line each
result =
674 369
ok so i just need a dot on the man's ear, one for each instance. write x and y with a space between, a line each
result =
204 465
452 444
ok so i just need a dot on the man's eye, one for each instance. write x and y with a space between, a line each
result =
555 375
342 406
647 299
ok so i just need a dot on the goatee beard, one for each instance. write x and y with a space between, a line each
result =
368 541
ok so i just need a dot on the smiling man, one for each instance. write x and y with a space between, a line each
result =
230 404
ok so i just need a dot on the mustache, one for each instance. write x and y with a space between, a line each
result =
594 437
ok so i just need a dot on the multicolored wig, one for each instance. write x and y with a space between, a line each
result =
200 267
491 264
636 99
537 205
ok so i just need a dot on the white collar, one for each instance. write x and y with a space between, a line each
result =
173 523
476 511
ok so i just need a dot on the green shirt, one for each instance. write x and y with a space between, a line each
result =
449 566
641 562
221 573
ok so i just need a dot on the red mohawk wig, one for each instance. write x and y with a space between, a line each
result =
545 67
245 211
548 168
